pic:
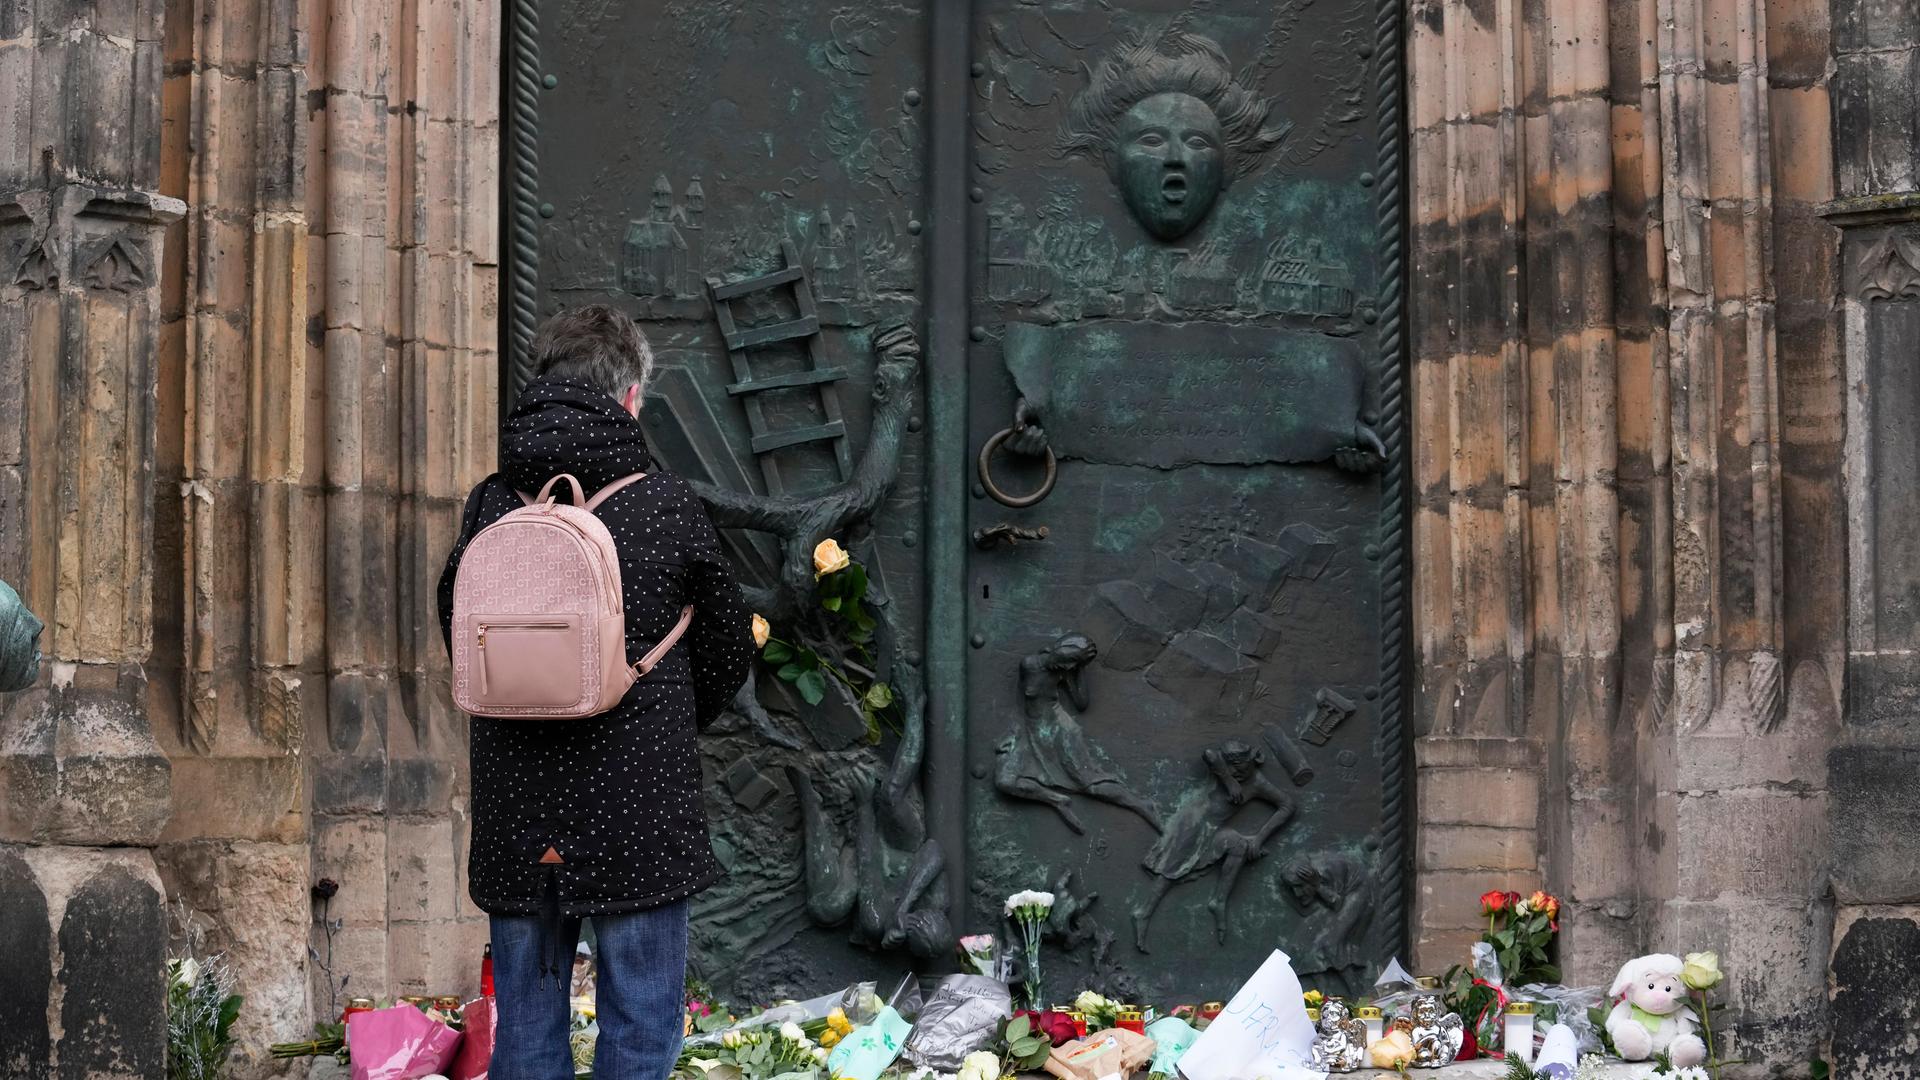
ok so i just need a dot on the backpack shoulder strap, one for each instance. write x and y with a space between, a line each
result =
607 492
666 643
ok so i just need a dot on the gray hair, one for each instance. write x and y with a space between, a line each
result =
595 344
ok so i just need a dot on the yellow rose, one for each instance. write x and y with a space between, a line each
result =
760 632
1701 971
1393 1051
829 558
1314 998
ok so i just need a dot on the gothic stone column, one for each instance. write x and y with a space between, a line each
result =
1875 805
84 789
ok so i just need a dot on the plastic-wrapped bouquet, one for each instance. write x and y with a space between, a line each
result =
201 1009
981 952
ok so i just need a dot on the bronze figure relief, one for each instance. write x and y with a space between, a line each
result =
1173 126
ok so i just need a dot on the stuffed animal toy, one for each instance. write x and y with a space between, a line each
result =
1651 1015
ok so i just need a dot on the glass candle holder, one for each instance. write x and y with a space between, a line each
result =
1375 1020
1517 1036
1210 1010
1079 1023
1129 1018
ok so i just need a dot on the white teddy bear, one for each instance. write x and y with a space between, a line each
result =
1652 1015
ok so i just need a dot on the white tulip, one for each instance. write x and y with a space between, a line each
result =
186 972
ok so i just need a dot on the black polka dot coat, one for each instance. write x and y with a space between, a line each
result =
617 796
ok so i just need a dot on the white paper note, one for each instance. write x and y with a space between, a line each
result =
1262 1034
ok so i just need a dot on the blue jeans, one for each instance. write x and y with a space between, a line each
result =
640 995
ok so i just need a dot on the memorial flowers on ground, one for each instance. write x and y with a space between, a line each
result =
1516 949
1701 973
201 1009
1029 910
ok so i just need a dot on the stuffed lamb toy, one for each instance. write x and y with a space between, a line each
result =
1652 1015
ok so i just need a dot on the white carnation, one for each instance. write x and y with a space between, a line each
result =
1028 899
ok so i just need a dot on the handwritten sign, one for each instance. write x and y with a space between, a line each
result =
1171 394
1262 1034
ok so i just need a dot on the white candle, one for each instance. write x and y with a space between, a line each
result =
1370 1016
1518 1034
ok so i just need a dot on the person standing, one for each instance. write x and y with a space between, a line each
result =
601 817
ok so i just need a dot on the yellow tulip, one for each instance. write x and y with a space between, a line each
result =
760 632
830 558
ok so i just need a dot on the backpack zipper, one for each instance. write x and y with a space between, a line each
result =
609 578
481 640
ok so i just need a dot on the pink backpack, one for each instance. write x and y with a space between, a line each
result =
539 628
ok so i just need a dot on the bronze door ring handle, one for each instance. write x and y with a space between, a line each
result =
993 489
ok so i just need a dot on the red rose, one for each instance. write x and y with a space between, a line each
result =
1493 903
1513 898
1057 1027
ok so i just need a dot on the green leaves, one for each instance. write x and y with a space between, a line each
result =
812 686
803 668
713 1021
1027 1047
842 596
1597 1016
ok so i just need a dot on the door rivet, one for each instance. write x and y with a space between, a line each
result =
978 69
914 226
546 209
977 194
979 641
550 81
978 333
913 97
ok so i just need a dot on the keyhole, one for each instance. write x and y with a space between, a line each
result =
985 594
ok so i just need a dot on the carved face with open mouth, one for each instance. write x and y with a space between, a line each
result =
1168 162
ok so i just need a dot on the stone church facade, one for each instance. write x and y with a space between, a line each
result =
1663 299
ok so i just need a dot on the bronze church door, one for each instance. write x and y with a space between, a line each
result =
1078 323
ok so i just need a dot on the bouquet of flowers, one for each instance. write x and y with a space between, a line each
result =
759 1054
981 952
1516 949
841 589
1029 910
201 1009
1101 1012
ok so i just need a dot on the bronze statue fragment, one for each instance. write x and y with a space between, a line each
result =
19 642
